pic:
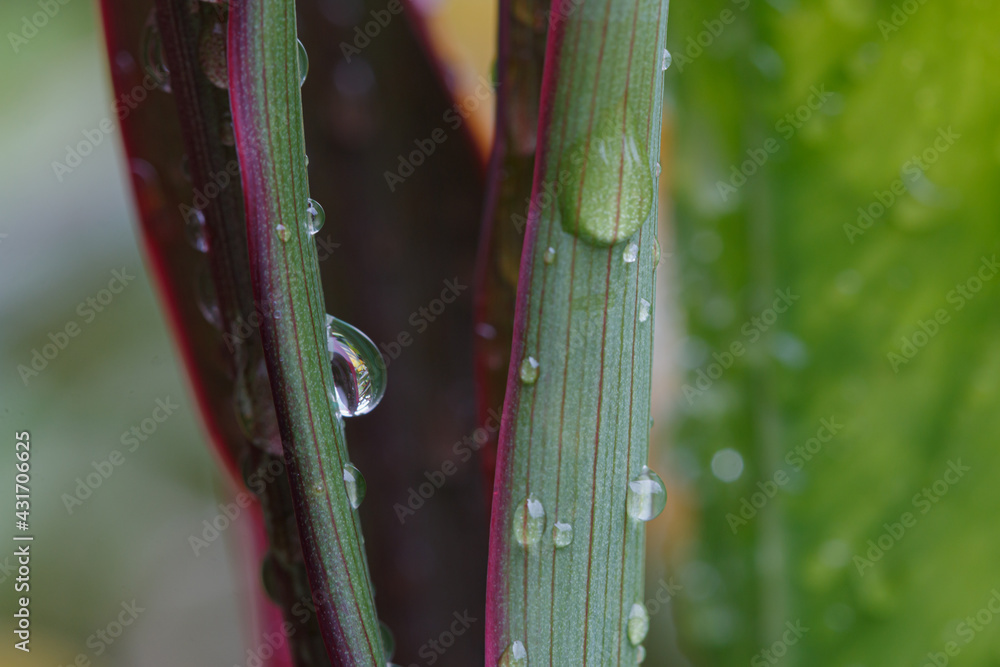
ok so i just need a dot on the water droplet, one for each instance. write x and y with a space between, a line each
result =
151 54
208 302
212 55
646 496
610 195
643 310
529 522
359 373
529 370
549 256
355 484
514 656
302 60
562 534
388 640
656 253
638 624
315 217
227 135
667 59
640 655
195 229
657 170
284 233
631 253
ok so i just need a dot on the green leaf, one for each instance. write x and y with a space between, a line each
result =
267 114
576 416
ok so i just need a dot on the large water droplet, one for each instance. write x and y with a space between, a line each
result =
208 303
550 255
359 373
514 656
562 534
355 484
646 496
529 522
151 54
195 229
611 193
284 233
638 624
667 59
212 55
630 253
315 217
529 370
302 61
644 307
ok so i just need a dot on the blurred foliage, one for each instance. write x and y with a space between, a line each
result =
900 74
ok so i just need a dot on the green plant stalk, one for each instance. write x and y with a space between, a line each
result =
267 115
576 436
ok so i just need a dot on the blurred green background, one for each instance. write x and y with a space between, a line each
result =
783 119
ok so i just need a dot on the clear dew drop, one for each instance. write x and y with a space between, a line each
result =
549 256
208 303
656 253
195 229
657 170
355 484
630 254
667 59
529 522
562 534
212 55
610 193
302 60
644 307
646 496
315 217
359 373
284 233
514 656
638 624
151 54
529 370
640 655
